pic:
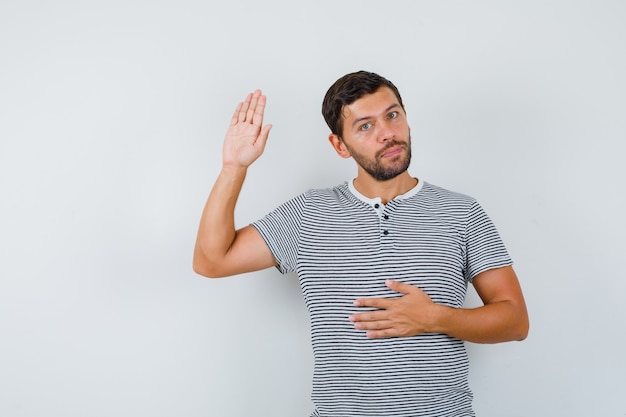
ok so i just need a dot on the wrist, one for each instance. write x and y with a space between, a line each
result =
234 169
441 316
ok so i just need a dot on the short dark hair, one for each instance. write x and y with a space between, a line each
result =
348 89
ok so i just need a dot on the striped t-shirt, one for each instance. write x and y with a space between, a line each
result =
344 246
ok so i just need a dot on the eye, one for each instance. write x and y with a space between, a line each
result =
365 126
393 115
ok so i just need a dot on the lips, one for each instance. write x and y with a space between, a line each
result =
391 150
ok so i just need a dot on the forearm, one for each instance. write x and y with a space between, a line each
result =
217 224
501 321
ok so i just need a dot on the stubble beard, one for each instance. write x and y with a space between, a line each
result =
380 170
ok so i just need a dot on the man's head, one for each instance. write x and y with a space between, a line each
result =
346 90
366 116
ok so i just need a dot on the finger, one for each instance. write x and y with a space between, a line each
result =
369 316
374 325
379 334
262 139
384 328
257 118
235 118
243 110
373 302
252 106
401 287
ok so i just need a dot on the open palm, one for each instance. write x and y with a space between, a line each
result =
246 137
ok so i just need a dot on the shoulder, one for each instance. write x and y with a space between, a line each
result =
339 189
339 194
317 199
439 196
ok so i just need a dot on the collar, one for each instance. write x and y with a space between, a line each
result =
376 202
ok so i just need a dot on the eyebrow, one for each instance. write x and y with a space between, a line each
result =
361 119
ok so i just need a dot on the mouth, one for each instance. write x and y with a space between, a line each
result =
392 151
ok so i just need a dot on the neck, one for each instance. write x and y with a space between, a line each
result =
386 190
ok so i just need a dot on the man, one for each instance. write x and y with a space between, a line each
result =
383 261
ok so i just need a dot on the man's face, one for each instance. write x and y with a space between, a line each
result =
377 135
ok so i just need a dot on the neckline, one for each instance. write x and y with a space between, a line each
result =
377 200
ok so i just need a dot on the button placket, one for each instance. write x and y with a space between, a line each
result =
384 225
382 217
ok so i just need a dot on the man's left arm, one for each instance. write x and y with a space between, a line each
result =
502 318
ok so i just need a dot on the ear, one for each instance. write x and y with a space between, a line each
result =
339 146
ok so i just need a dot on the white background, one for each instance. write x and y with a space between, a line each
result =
112 115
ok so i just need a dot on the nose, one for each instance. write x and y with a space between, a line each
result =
385 131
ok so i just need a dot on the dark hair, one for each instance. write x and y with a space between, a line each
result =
348 89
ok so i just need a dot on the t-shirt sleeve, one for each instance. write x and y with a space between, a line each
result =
281 231
484 247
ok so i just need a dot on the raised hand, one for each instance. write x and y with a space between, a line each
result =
246 137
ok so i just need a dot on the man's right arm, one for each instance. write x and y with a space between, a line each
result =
220 249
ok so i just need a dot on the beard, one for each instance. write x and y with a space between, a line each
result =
382 170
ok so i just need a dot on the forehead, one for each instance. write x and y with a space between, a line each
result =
370 105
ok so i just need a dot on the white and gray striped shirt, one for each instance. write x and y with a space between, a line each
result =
343 246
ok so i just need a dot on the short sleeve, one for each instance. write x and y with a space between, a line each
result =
281 231
484 247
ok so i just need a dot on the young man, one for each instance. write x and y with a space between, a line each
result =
383 261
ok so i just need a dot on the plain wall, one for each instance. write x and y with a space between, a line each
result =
112 116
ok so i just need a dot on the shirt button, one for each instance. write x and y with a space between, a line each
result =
385 232
376 205
386 217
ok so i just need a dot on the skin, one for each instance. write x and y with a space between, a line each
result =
220 249
377 136
375 131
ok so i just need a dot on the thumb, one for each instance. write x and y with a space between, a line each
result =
263 135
